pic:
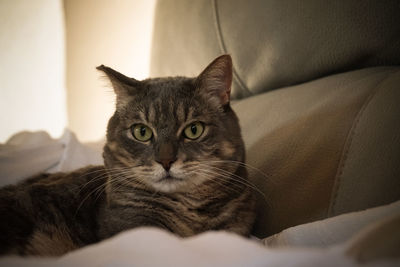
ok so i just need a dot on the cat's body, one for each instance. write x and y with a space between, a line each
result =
40 216
174 159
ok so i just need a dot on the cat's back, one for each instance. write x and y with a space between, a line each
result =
51 213
51 188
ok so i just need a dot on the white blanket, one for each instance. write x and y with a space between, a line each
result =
152 247
28 153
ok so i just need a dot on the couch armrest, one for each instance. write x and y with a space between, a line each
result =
325 147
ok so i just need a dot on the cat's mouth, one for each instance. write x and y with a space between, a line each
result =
169 181
169 178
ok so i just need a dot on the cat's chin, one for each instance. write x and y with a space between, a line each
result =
169 184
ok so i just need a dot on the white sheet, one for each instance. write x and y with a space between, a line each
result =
153 247
332 231
28 153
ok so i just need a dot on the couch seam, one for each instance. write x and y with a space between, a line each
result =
222 46
349 142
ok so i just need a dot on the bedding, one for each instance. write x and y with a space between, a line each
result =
28 153
154 247
321 243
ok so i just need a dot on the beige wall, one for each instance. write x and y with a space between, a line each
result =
32 84
113 33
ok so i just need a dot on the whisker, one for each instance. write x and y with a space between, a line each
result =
229 174
87 196
238 179
243 164
99 189
99 177
213 178
269 178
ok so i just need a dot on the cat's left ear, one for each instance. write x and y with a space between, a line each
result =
216 79
123 85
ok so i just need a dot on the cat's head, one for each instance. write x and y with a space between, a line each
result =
174 133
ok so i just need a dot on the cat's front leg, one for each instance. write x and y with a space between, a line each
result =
115 219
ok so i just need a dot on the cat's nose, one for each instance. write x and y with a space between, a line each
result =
166 155
166 163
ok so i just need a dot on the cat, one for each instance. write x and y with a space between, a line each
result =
173 159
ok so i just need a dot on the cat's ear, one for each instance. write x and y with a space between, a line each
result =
216 79
123 85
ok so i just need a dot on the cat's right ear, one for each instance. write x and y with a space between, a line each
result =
215 81
123 86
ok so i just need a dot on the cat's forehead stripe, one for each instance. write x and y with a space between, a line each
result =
158 108
151 113
180 112
164 111
190 113
142 116
171 105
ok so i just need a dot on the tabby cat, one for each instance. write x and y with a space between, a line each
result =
174 159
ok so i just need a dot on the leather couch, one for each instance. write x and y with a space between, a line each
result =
317 91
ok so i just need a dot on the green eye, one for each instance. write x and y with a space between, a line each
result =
141 132
194 130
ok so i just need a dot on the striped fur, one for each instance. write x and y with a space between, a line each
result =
203 186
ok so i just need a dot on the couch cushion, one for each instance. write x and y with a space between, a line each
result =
274 43
326 147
